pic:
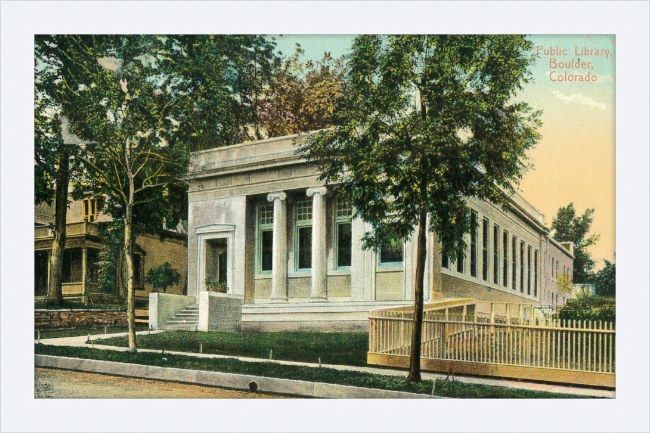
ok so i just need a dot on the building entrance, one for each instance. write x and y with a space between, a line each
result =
216 260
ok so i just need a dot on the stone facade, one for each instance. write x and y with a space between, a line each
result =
54 319
261 220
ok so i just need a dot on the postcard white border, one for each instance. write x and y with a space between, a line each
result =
628 20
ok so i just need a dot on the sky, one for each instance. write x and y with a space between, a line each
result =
574 161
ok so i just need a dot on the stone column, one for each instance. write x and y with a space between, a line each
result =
279 272
318 247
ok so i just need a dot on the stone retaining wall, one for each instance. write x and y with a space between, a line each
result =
78 318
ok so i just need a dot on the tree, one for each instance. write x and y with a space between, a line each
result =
588 307
571 228
52 154
564 283
141 103
428 121
606 280
302 97
163 277
51 180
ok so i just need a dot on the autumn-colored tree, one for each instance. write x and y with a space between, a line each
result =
427 122
564 283
302 97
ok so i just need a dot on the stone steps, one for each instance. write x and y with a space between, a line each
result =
179 327
185 320
187 314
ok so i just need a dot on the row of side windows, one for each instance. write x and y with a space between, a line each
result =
555 267
496 248
390 254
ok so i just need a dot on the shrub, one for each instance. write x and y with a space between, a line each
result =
162 277
589 308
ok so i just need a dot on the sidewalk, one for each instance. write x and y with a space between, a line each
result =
563 389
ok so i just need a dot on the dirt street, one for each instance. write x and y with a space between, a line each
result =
50 383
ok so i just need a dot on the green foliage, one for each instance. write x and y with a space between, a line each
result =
606 280
141 102
571 228
163 277
332 348
47 144
589 308
428 121
455 389
302 97
109 261
311 374
48 139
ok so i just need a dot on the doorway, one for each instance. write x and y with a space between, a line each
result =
216 260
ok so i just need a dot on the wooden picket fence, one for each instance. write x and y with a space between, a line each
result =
518 345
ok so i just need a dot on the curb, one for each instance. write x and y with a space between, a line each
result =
225 380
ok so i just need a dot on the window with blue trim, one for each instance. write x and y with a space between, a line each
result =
303 218
265 239
343 230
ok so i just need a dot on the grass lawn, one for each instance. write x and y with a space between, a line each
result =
331 347
75 332
353 378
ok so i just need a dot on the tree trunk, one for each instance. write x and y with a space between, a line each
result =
416 340
54 292
120 277
418 309
128 255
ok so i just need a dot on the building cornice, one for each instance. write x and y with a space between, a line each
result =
561 248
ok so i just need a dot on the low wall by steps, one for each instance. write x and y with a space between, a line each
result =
78 318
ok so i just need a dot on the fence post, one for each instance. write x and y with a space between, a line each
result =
401 333
446 338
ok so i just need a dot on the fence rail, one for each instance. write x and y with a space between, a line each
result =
569 346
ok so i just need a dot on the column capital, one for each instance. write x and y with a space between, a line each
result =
316 190
276 195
